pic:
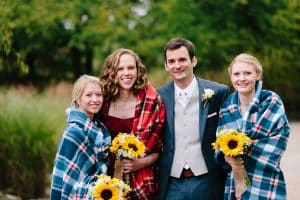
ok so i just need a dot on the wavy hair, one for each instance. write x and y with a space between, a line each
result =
111 89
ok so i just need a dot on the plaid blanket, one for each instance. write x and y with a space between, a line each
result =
81 155
266 123
147 126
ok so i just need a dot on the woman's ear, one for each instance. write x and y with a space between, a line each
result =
258 76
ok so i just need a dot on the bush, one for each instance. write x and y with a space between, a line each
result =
29 127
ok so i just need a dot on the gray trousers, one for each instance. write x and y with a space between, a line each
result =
192 188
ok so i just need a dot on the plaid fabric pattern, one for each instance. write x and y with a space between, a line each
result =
81 155
267 125
147 126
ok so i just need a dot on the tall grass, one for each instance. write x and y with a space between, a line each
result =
30 125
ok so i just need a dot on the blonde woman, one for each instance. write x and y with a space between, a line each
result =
83 148
260 115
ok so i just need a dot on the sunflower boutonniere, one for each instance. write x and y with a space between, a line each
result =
207 95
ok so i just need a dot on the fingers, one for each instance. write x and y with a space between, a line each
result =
132 165
127 167
235 162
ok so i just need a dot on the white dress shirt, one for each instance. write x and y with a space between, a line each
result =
184 95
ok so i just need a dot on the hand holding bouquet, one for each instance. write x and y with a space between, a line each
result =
234 144
126 146
106 188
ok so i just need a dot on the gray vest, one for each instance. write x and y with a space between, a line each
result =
187 138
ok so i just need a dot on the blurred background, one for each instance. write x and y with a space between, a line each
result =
46 45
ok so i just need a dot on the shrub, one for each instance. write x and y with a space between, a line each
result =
29 127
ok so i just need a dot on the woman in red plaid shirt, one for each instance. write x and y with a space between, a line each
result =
132 105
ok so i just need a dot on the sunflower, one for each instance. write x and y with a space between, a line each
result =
216 144
120 184
134 147
232 145
105 191
231 142
127 146
115 144
107 188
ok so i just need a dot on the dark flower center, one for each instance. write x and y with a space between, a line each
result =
132 146
106 194
232 144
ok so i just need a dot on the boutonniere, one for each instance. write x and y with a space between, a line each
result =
208 94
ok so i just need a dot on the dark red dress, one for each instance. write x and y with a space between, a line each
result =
115 126
147 125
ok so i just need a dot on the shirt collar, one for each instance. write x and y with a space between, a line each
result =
188 90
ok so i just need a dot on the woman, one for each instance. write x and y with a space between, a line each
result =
133 106
83 149
260 115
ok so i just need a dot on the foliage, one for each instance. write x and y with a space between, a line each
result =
29 127
223 29
44 41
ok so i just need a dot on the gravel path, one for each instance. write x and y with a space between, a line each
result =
290 163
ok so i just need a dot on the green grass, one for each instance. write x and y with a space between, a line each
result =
30 126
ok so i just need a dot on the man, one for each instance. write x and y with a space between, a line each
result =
188 169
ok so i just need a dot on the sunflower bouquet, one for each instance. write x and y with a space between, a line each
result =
234 144
126 146
107 188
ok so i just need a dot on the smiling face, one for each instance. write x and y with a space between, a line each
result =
91 99
126 72
180 66
243 77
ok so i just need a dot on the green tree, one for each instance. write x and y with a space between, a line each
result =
59 40
222 29
55 40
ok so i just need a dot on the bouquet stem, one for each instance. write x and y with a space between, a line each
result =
127 178
119 172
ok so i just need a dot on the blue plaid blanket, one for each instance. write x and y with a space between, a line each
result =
265 122
81 155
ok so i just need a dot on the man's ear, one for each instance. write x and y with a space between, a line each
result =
166 67
194 61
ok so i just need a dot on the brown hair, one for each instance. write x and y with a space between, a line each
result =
176 43
111 90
